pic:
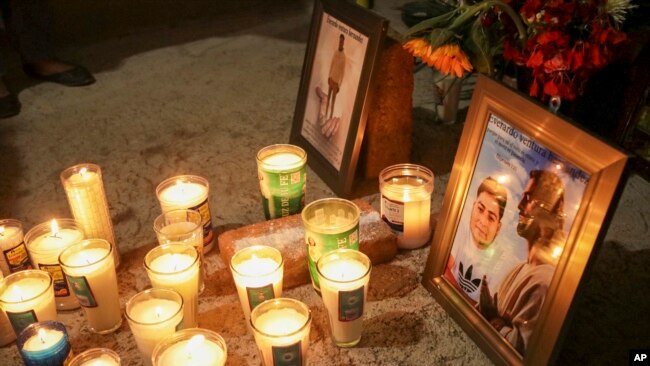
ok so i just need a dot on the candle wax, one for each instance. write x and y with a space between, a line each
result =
193 352
279 322
183 195
153 310
103 360
43 339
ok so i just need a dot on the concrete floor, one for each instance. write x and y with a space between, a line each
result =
198 87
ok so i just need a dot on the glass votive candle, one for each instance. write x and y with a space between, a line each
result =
182 226
84 188
96 357
45 343
330 223
282 172
176 267
188 192
406 203
257 271
27 297
191 347
89 267
7 334
45 242
13 251
154 314
344 275
281 329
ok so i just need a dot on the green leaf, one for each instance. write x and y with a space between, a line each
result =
440 36
479 46
440 21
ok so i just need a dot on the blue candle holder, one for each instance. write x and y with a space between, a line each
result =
47 352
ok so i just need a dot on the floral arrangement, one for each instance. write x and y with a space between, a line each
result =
560 43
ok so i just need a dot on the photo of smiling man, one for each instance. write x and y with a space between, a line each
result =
475 252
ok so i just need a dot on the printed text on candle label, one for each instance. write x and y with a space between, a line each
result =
319 244
17 258
60 284
392 212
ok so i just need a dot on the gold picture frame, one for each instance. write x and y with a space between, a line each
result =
535 254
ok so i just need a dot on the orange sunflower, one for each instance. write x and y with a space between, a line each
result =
448 58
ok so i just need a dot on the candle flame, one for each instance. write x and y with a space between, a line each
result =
502 179
55 227
194 343
556 252
82 171
158 311
2 231
41 335
558 166
19 292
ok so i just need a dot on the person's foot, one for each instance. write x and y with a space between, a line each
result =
59 72
9 103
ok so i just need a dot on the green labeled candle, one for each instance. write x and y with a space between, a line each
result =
330 224
282 173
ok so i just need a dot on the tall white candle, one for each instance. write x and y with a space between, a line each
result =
13 252
153 315
406 203
257 271
344 276
85 191
188 192
281 328
90 269
27 297
191 347
175 267
45 242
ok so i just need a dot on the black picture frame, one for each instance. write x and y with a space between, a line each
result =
333 143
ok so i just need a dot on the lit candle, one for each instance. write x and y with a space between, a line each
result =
330 223
45 242
188 192
282 173
191 347
27 297
90 270
281 328
85 191
7 334
44 343
182 226
257 271
153 315
176 267
406 203
344 276
96 357
14 256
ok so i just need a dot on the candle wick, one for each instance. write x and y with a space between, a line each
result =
54 236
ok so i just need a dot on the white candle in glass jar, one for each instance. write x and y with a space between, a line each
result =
406 203
90 269
175 266
257 271
85 191
13 252
188 192
45 242
7 334
27 297
344 279
153 315
281 329
193 352
96 357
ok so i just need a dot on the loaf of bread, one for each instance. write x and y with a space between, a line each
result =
287 235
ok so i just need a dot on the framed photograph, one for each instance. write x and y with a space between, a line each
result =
527 202
330 114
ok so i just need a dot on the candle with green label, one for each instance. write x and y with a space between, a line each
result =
330 223
27 297
281 170
89 267
14 256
